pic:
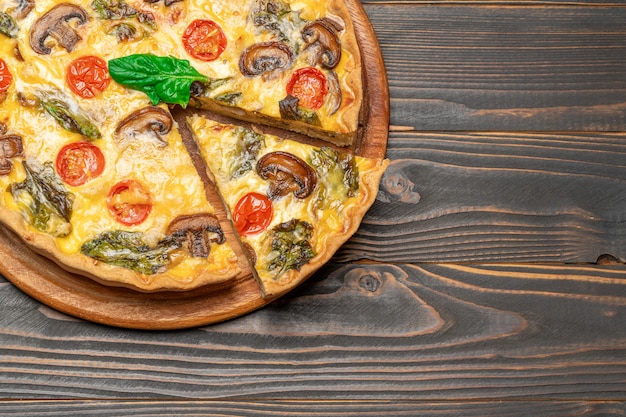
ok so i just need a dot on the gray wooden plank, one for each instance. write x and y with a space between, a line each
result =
497 197
306 408
432 332
442 339
477 67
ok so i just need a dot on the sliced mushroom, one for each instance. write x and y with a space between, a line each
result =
6 166
55 24
322 41
10 146
265 57
152 120
24 8
199 231
286 173
27 101
17 53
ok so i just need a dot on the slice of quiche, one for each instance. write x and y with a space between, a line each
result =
293 204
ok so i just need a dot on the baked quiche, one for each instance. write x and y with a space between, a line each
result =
98 175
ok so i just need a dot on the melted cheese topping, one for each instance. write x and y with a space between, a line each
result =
217 142
172 21
166 171
262 93
258 94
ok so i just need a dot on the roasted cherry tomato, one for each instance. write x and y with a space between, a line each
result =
5 77
88 76
204 40
252 214
129 203
78 162
309 86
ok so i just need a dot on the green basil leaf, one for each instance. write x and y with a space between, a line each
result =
161 78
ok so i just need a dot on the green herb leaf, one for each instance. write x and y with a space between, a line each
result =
128 250
245 152
124 32
276 17
230 99
290 246
120 10
166 79
290 110
44 199
338 174
8 27
71 118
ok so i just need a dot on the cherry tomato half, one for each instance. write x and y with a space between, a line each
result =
5 77
78 162
204 40
87 76
309 86
129 203
252 214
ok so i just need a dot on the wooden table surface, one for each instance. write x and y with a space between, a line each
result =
487 279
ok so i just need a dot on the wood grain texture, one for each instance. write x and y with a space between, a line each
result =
500 152
497 197
358 332
313 409
509 68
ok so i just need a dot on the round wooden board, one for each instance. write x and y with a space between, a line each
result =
82 297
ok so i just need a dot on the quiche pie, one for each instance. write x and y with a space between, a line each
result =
176 144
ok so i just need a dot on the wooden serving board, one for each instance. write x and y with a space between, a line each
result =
85 298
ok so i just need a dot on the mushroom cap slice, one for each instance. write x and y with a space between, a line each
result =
151 120
54 24
10 146
322 40
6 166
199 231
24 8
265 57
286 173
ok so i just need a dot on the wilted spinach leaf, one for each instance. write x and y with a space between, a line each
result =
128 250
44 199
